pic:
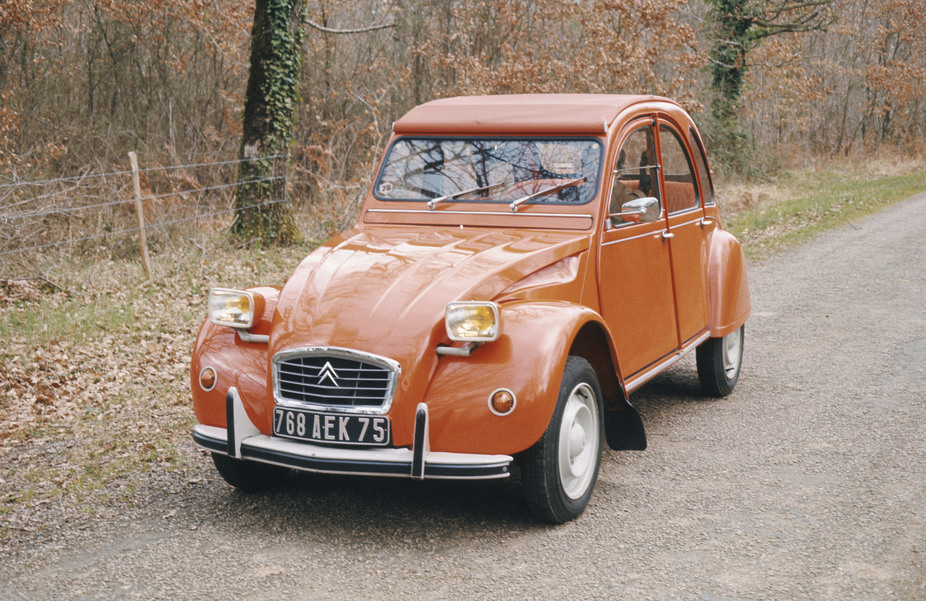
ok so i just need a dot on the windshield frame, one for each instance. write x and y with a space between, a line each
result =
591 195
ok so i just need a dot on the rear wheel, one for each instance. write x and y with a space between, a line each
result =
719 362
247 476
560 470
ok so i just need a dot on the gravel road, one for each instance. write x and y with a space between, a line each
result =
809 482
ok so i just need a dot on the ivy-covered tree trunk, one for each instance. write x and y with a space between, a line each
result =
262 211
738 26
732 22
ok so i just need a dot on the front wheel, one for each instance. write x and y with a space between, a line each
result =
559 472
719 362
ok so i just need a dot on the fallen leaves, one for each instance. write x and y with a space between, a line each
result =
94 379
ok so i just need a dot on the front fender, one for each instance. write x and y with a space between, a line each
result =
527 359
237 363
729 286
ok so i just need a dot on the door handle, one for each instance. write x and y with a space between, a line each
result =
706 222
666 235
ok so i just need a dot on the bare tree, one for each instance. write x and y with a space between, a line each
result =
738 26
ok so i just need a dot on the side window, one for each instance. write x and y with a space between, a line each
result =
707 186
636 174
681 192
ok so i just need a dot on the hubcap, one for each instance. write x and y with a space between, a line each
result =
578 441
731 353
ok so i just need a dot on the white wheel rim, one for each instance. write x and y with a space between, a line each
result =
578 441
732 343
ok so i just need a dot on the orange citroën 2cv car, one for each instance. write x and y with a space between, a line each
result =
520 265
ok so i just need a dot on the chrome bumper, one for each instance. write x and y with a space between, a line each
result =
244 441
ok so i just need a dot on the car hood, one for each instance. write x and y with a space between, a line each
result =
383 289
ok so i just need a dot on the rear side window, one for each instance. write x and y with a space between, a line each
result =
707 186
681 192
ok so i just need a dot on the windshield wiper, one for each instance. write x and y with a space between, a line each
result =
433 202
514 206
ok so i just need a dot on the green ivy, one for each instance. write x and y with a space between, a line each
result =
272 96
733 38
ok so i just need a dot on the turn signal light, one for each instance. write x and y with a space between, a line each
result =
207 379
502 401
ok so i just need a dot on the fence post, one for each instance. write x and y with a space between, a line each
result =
142 236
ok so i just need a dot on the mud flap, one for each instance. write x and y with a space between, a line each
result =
624 428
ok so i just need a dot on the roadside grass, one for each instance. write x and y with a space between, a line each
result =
94 369
797 205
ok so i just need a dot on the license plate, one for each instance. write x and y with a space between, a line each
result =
331 428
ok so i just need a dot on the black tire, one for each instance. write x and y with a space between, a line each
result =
558 474
719 363
248 476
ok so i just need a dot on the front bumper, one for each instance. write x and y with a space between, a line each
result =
242 440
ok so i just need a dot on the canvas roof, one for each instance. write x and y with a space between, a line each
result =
518 114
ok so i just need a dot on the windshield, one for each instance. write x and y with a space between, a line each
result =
481 170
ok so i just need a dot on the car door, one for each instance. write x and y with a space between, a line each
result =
635 271
688 234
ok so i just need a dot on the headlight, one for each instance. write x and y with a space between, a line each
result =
234 308
472 321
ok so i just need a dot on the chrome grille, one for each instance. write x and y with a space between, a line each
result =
334 379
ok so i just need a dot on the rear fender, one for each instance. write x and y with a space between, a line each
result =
728 284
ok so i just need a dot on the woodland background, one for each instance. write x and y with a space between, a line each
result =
84 82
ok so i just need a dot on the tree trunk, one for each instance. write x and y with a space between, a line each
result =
732 21
738 27
262 211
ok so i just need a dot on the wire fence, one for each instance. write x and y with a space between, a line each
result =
41 218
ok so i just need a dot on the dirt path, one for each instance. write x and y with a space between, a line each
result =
809 482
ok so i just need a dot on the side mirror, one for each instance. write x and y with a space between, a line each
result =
640 210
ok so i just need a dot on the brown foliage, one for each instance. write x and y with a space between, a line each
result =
356 86
858 85
103 77
82 83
